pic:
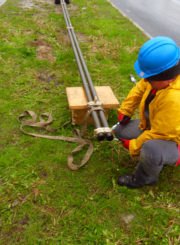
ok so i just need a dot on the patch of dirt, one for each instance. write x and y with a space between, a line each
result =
72 7
58 9
63 37
28 32
46 1
82 38
46 77
24 221
34 3
45 53
44 50
27 4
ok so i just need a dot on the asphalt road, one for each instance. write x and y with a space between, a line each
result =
154 17
2 1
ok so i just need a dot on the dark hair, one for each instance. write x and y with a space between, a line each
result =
167 74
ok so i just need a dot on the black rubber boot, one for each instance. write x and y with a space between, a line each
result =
132 181
138 179
59 1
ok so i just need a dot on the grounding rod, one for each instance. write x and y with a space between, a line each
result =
101 125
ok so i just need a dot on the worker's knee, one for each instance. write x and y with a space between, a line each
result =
159 152
128 131
150 152
117 130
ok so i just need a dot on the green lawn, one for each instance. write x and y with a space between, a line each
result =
41 200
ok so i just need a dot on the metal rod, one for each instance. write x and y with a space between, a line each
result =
92 89
85 84
88 94
86 79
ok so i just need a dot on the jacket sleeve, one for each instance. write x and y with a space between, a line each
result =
133 99
165 124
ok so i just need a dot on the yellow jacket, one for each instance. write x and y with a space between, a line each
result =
164 113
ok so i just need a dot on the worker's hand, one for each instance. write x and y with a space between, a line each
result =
125 143
123 119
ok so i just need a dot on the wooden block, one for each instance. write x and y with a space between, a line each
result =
77 98
79 115
77 101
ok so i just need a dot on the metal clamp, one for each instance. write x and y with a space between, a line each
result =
94 103
102 130
107 130
70 27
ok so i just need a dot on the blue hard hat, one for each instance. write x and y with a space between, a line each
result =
156 55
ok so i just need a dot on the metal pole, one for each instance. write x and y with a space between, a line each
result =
104 122
100 136
86 79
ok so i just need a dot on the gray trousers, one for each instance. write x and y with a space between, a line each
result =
154 153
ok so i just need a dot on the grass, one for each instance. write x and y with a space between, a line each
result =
41 200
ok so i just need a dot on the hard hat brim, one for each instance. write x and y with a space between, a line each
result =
139 71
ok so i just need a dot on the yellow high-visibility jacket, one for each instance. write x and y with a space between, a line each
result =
164 113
